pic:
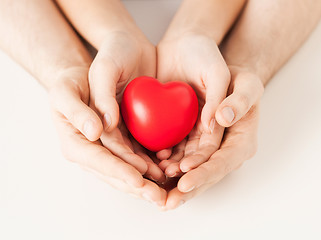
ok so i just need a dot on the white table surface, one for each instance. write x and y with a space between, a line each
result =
275 195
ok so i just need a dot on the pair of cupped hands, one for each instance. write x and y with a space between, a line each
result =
85 103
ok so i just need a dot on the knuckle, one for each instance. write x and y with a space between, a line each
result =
74 118
227 168
221 166
109 166
103 64
54 93
66 153
239 166
226 75
252 149
212 171
260 88
201 155
93 70
209 145
206 171
223 72
243 102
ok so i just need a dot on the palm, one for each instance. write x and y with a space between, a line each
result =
238 145
93 156
121 59
195 60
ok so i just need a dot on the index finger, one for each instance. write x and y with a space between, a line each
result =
78 149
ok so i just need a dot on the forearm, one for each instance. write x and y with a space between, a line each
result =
37 36
209 17
94 19
269 32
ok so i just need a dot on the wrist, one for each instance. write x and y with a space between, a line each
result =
249 70
130 34
115 20
186 33
181 27
209 18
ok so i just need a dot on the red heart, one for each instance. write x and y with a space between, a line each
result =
158 115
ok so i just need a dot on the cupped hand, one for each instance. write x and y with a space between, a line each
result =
195 59
239 143
76 122
121 57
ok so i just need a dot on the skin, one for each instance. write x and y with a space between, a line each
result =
54 54
262 40
123 54
258 45
108 27
189 52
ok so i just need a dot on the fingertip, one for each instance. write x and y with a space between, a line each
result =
187 183
172 170
225 116
164 164
143 167
155 173
109 111
188 163
107 121
174 200
134 177
164 154
163 195
184 187
184 167
136 182
92 129
111 118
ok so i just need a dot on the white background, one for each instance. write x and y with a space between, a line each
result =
277 194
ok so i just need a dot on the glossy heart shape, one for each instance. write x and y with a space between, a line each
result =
159 116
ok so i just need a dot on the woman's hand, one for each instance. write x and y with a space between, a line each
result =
69 99
121 58
239 143
194 58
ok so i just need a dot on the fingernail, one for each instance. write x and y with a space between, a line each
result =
89 128
107 119
147 197
185 168
211 126
228 114
151 178
171 174
188 190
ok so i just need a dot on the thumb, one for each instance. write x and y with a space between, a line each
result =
103 77
67 101
247 90
216 87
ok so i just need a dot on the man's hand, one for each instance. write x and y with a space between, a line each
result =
69 99
188 52
123 54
